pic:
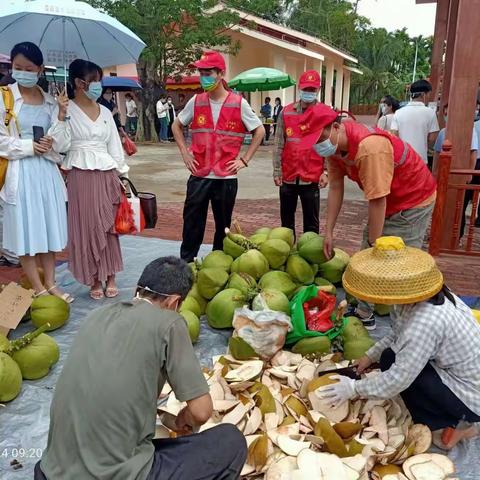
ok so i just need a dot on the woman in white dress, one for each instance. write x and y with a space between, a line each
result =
94 162
33 197
388 106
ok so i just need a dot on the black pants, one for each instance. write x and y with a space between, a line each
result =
310 198
429 400
216 454
267 127
468 199
200 192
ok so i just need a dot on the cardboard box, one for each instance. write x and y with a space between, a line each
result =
14 303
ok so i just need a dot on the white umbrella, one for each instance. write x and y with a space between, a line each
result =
65 30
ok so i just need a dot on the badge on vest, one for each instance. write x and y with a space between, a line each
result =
289 131
201 120
231 125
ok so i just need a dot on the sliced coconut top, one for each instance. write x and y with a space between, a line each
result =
292 445
428 466
248 371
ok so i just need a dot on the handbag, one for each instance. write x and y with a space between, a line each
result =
148 203
129 146
8 101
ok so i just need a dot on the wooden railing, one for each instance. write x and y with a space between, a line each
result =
444 175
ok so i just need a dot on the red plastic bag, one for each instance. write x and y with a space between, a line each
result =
129 146
317 312
124 220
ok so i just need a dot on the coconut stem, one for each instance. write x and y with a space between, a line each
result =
22 342
241 240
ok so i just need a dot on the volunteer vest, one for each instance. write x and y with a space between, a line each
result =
299 159
215 146
412 182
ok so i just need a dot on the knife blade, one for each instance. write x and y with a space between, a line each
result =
350 372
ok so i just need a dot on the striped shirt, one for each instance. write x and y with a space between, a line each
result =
447 336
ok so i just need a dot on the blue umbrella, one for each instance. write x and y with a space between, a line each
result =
65 30
120 83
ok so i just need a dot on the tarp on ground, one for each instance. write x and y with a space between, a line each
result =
24 421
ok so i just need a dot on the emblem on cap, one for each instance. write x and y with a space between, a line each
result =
310 77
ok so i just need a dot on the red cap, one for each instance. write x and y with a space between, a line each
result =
210 59
325 116
310 78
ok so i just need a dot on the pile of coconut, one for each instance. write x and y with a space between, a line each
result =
294 434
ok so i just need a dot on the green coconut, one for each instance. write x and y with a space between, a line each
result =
218 259
221 308
254 263
312 250
382 310
4 343
274 299
326 286
259 238
231 248
242 281
211 281
334 268
49 309
277 280
312 345
276 251
193 324
305 238
36 358
300 270
354 329
355 349
240 349
10 378
195 293
191 304
262 231
283 233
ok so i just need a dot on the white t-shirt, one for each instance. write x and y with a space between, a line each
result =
385 122
414 122
162 109
131 108
249 119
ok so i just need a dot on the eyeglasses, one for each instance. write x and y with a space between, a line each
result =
158 293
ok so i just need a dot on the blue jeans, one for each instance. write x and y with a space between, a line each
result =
163 134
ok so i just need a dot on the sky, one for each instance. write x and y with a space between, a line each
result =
397 14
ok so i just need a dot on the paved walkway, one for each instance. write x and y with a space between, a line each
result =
159 169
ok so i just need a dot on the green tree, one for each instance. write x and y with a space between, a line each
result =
175 32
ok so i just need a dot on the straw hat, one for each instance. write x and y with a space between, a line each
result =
391 273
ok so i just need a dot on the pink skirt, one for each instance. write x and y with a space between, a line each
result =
93 246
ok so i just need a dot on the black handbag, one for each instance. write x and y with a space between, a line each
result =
148 202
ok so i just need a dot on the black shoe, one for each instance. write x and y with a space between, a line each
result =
7 263
368 323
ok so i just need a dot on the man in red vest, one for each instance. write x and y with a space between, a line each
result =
400 189
297 168
219 120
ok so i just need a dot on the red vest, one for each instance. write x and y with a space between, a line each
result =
299 159
215 146
412 182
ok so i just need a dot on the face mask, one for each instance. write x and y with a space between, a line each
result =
169 102
326 148
308 97
384 109
94 91
25 79
208 83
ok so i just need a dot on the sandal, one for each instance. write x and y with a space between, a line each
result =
96 294
64 296
111 292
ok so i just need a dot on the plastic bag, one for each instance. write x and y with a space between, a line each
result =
318 310
299 324
129 146
264 330
124 220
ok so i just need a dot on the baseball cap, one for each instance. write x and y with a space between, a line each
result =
210 59
325 116
310 78
420 86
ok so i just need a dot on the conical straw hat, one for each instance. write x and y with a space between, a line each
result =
391 273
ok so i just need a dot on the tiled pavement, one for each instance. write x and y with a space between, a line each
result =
461 273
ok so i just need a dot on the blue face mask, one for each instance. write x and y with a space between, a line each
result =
326 148
25 79
94 91
308 97
208 83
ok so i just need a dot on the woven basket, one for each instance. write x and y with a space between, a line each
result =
391 273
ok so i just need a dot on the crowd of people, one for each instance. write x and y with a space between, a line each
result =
102 424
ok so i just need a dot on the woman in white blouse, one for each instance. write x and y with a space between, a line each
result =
388 107
94 162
